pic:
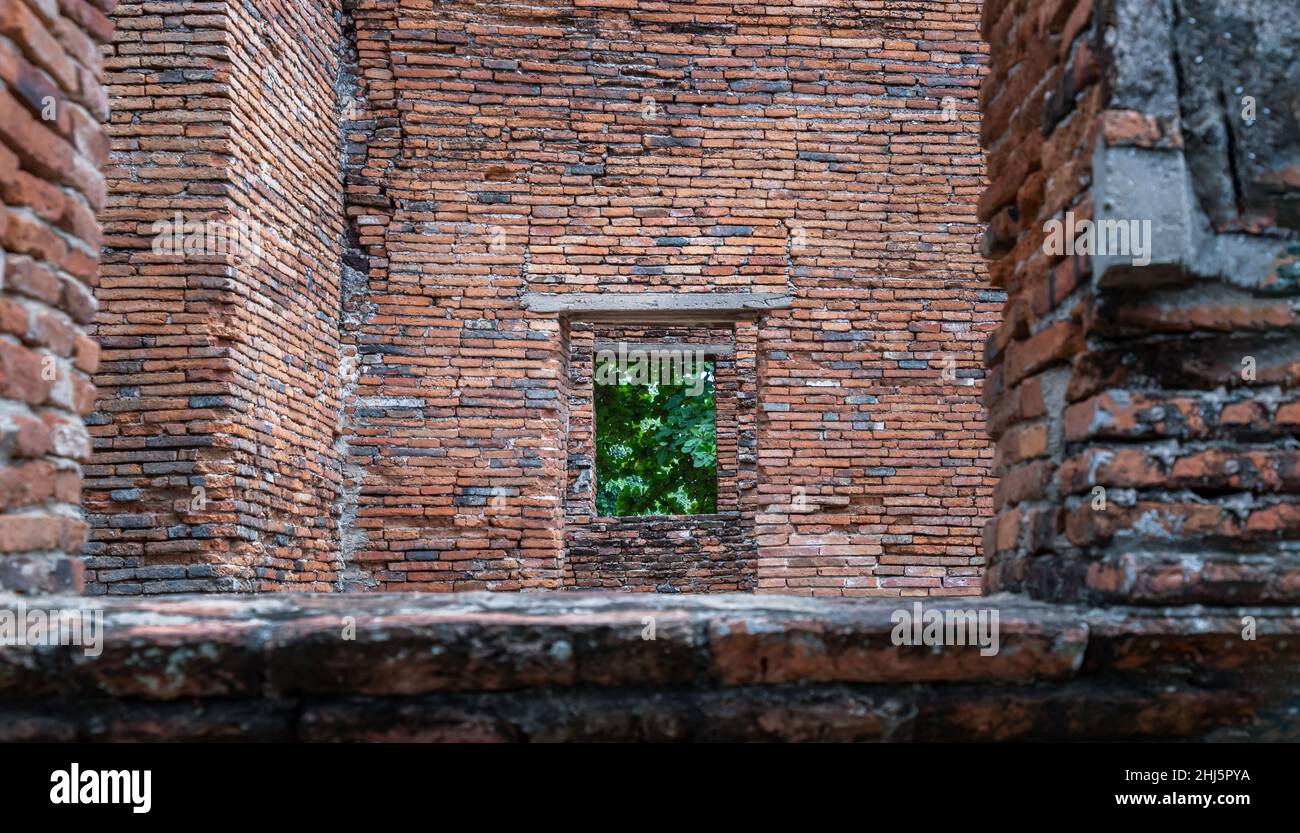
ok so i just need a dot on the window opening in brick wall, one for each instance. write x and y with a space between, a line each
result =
656 433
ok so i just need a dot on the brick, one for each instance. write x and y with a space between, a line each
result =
382 476
49 236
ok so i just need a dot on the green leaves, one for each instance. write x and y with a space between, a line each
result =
656 448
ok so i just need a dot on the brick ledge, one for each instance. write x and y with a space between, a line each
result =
575 666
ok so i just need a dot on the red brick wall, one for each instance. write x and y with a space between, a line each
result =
286 170
52 146
161 466
329 412
214 463
1144 413
873 463
679 146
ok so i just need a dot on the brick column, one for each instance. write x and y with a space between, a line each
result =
1142 396
52 146
215 461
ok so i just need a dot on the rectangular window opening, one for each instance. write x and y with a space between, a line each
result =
656 432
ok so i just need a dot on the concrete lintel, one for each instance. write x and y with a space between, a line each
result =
664 346
1132 185
655 306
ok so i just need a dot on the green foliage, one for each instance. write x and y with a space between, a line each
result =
656 448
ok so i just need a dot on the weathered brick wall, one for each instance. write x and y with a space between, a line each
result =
160 495
454 390
825 154
1145 413
52 145
825 151
286 172
214 465
873 461
1144 396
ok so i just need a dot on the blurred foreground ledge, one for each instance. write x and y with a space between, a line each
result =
557 667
